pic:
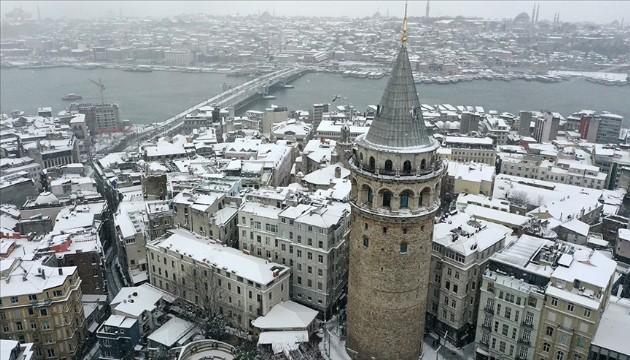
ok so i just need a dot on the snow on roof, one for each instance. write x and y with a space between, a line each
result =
519 253
493 215
120 321
283 341
266 211
133 301
472 235
614 326
326 175
34 283
474 172
588 266
286 315
173 330
577 226
206 251
468 140
624 234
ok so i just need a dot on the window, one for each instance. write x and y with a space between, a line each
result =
320 259
387 199
43 312
587 313
554 301
455 288
18 326
403 248
320 272
309 255
508 312
549 331
570 307
404 200
388 165
447 285
14 300
366 242
505 330
560 355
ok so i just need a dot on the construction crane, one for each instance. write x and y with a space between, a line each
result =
101 88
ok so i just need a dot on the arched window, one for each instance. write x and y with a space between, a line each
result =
388 165
366 242
404 199
423 164
425 197
387 198
407 167
372 163
403 248
361 157
370 195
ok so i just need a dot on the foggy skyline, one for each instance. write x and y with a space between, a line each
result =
572 11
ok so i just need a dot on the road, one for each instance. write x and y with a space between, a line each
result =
114 283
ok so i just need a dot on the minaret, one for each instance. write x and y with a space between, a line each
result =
534 14
427 13
396 178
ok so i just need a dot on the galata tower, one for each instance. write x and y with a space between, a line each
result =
396 178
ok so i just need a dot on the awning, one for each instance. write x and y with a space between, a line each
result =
93 327
283 340
482 352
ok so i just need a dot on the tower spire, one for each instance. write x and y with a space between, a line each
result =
403 38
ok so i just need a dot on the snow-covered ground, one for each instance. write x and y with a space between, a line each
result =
592 74
337 348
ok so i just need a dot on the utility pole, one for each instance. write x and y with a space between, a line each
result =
437 351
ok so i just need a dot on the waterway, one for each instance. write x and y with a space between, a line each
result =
153 97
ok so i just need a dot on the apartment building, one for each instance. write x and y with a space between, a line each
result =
217 278
512 299
560 171
42 305
460 249
495 128
310 239
576 296
469 149
207 214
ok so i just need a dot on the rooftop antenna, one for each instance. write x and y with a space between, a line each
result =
534 13
403 38
427 13
39 14
537 12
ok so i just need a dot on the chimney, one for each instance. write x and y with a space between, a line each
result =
60 271
338 172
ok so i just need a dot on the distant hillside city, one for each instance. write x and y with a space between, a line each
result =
404 230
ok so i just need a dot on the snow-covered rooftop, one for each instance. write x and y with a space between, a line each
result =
287 315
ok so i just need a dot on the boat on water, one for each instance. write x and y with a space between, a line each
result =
288 86
72 97
139 69
268 97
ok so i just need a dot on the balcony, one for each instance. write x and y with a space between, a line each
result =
486 326
489 310
528 324
524 341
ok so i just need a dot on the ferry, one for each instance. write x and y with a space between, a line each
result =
139 69
72 97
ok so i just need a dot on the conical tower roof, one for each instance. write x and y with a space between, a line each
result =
398 122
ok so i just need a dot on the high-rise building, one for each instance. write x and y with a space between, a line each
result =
396 177
100 117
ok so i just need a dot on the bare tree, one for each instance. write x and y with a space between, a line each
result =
518 197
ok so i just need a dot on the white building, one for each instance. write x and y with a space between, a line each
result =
216 277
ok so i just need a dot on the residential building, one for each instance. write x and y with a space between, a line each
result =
42 305
465 149
100 118
461 247
610 340
238 286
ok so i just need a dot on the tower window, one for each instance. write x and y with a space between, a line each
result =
423 164
407 167
404 230
388 165
366 242
387 199
366 226
404 200
403 248
372 163
384 229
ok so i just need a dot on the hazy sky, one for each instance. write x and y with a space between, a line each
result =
595 11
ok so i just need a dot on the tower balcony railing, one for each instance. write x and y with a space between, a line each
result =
438 166
381 210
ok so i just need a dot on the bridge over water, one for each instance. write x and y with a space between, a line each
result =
236 96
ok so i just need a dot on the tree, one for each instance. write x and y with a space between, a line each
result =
518 197
161 353
214 327
247 351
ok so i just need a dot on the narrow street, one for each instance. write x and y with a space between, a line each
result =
114 284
